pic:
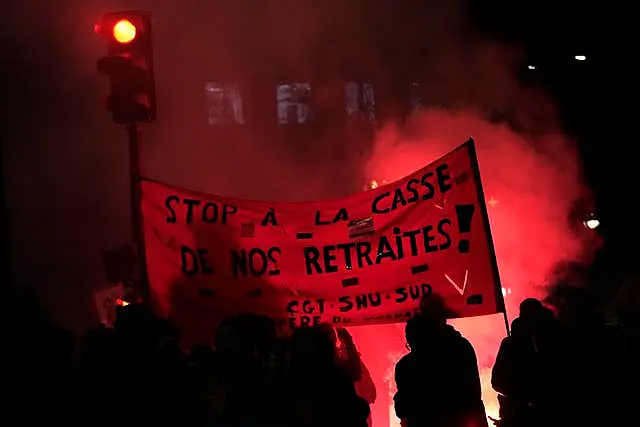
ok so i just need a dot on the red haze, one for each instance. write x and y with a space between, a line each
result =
532 183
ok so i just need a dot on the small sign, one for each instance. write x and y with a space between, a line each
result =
361 227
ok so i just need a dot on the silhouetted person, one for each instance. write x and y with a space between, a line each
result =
438 382
528 372
36 379
239 370
349 359
348 352
321 392
514 375
203 387
270 383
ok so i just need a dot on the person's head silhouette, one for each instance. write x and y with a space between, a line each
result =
415 331
530 307
434 309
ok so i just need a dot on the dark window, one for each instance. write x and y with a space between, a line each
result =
293 102
224 102
416 96
360 101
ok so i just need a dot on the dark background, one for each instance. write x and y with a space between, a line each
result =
64 164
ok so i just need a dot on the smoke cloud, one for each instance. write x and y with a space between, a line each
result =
531 175
531 182
66 165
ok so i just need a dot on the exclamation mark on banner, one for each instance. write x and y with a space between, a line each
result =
465 215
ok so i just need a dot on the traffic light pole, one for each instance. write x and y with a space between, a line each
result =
137 233
129 66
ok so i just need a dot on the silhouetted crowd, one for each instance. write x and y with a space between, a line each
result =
581 369
546 373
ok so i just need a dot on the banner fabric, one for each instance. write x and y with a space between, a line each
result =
364 259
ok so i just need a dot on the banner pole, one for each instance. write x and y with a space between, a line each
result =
137 233
5 274
471 146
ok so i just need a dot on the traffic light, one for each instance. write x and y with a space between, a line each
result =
129 65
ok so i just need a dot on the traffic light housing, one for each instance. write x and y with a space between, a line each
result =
129 65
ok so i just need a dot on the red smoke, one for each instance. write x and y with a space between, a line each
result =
532 183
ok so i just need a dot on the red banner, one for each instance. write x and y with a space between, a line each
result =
365 259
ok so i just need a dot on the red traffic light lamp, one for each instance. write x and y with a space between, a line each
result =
129 65
124 31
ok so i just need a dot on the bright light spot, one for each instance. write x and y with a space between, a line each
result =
124 31
506 291
121 302
531 67
592 224
489 396
580 57
492 202
373 184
